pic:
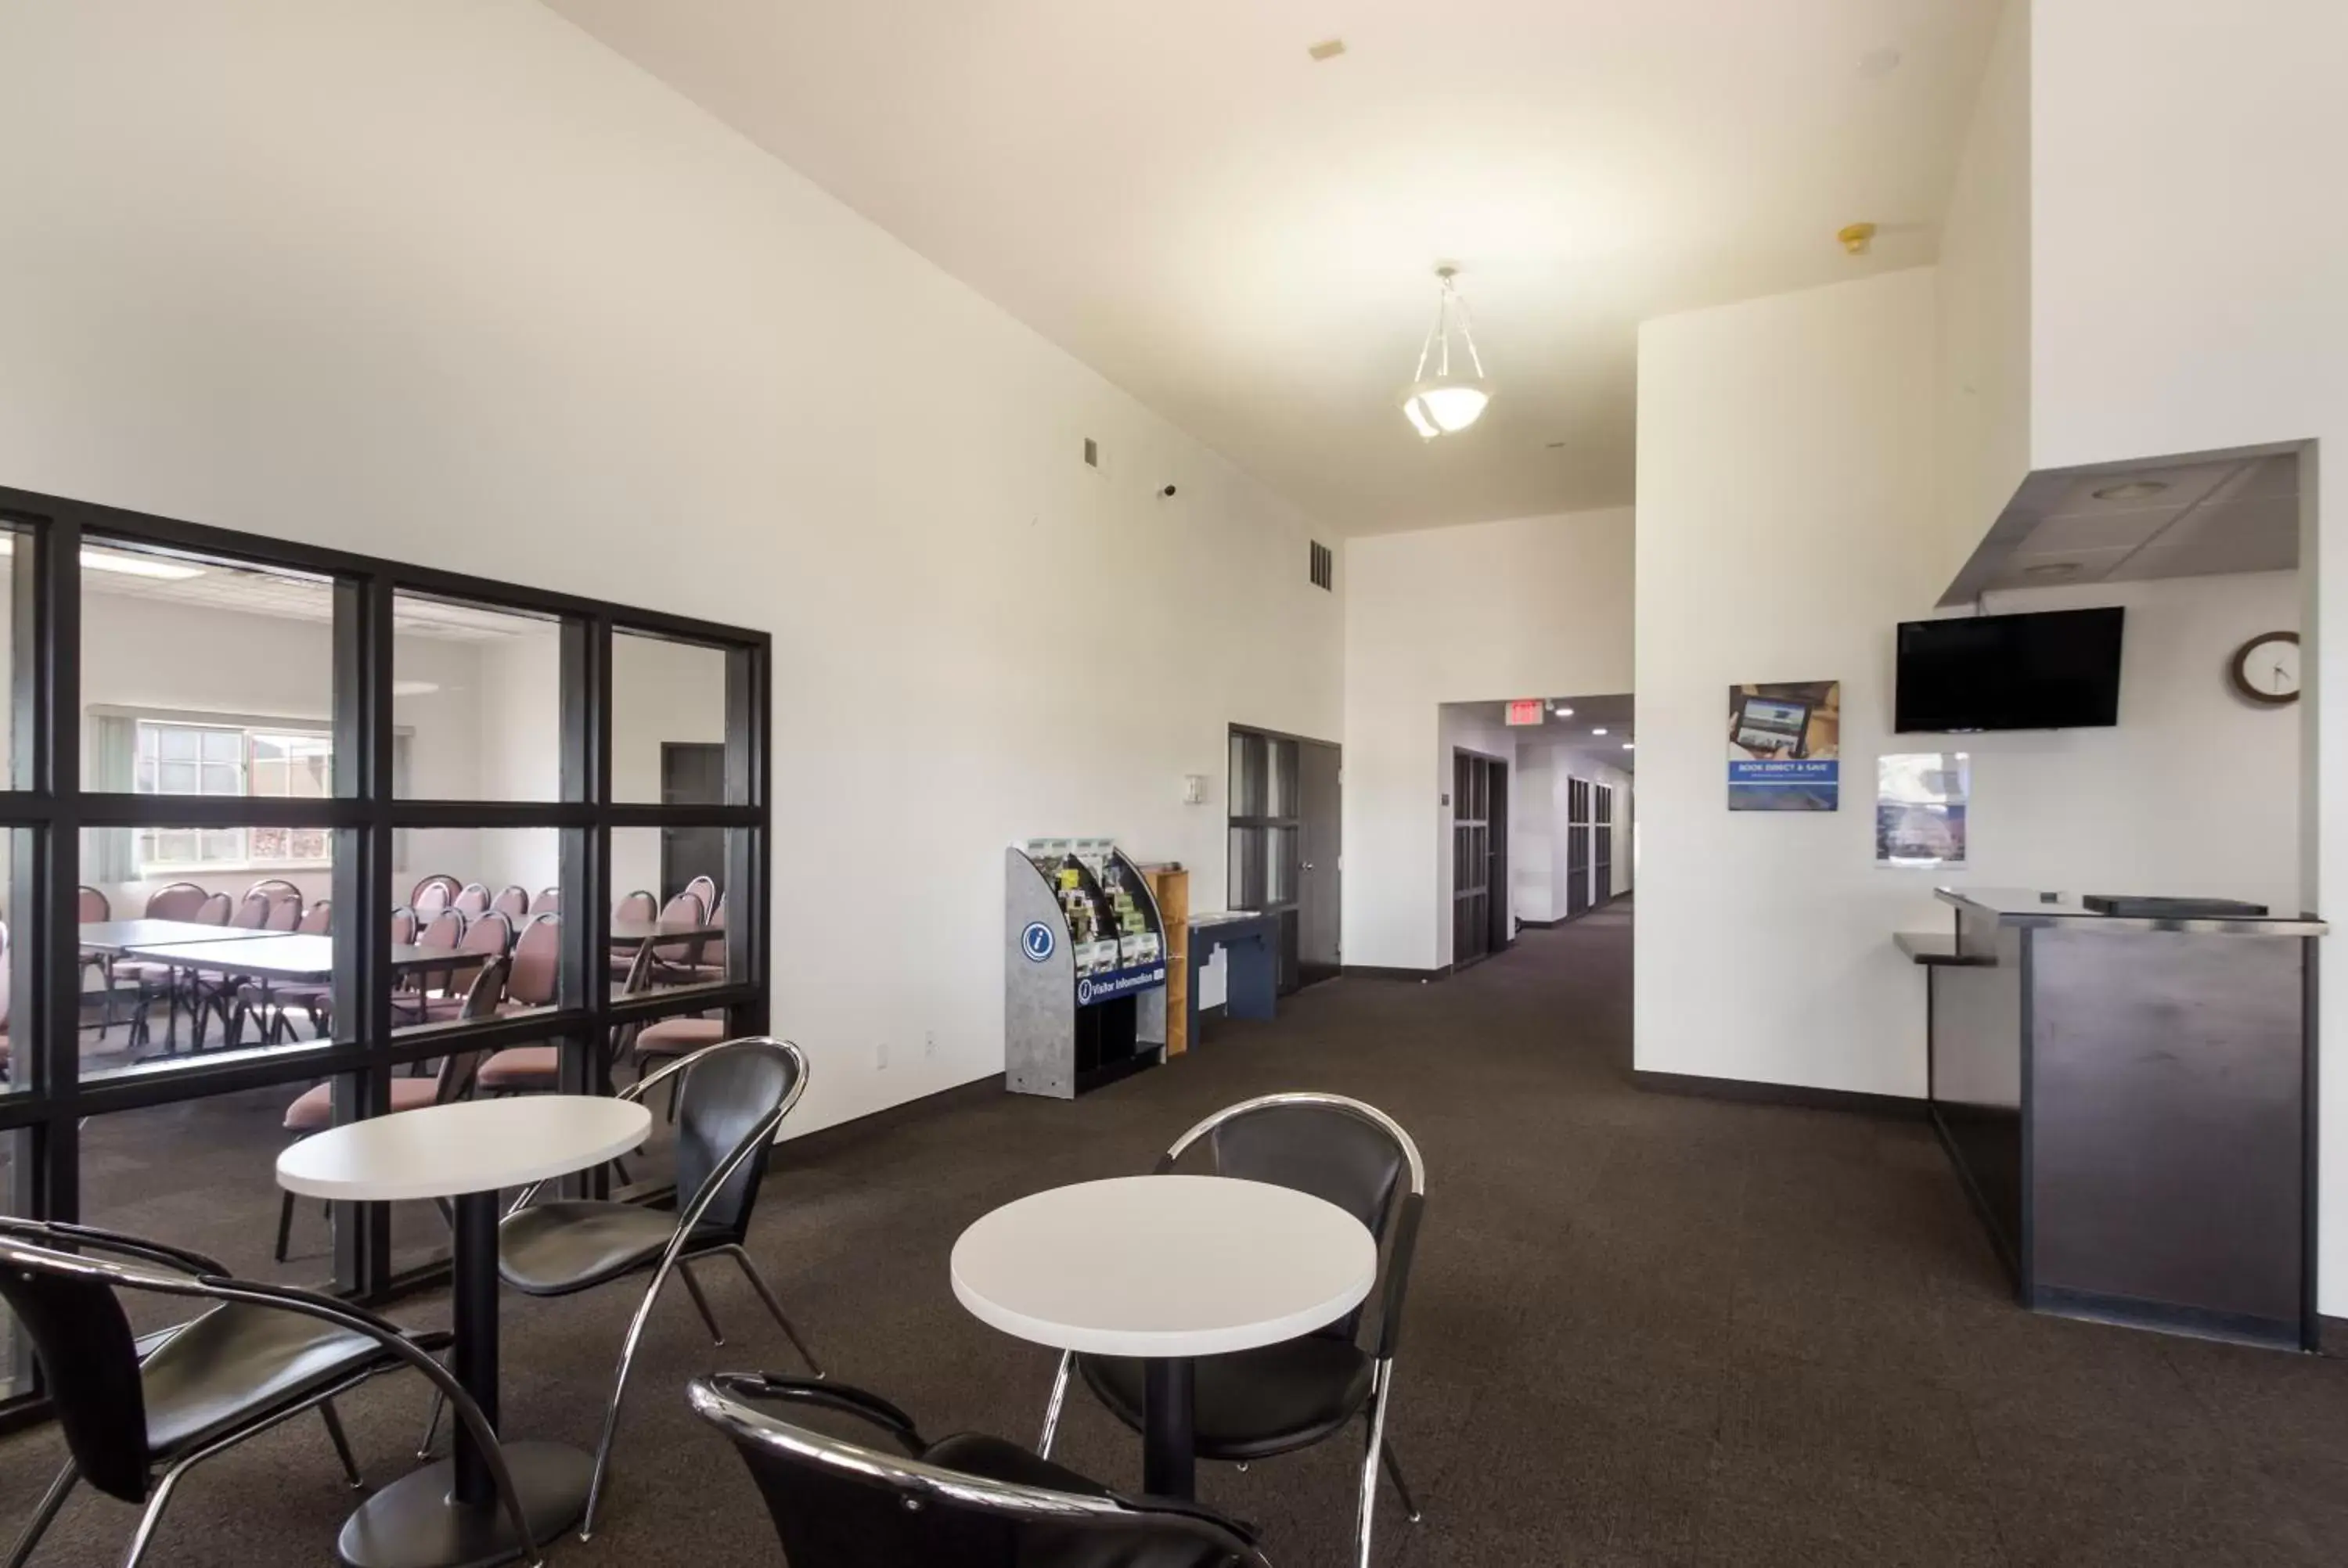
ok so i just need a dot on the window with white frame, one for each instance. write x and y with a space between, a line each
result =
280 761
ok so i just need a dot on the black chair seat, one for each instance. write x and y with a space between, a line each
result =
234 1362
573 1244
1253 1404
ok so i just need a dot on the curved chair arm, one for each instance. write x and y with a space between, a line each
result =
718 1178
840 1397
1397 1281
1298 1097
116 1242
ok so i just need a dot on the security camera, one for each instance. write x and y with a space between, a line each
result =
1167 493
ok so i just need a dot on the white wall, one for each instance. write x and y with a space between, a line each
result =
1984 302
1786 484
445 280
1530 608
2188 239
1807 419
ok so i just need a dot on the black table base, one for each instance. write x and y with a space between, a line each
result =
418 1522
449 1515
1169 1465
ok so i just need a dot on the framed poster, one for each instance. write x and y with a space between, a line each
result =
1920 809
1783 746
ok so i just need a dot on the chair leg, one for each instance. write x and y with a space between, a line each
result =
1052 1410
154 1514
1402 1487
693 1288
51 1502
431 1424
284 1223
619 1393
342 1443
765 1294
1381 1381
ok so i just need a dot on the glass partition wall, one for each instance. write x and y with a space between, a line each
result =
309 753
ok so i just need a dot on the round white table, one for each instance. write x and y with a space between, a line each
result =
448 1514
1165 1269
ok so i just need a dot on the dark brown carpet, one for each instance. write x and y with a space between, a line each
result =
1645 1330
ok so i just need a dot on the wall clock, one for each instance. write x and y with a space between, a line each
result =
2265 669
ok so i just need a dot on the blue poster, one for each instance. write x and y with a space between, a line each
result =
1785 747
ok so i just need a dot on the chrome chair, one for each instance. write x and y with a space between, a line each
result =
259 1355
734 1097
1254 1404
965 1502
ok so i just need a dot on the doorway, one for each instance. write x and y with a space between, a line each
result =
1482 922
1602 873
692 773
1285 817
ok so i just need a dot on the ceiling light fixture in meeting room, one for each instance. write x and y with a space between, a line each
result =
1440 402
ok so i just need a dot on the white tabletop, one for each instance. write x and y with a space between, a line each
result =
465 1146
1163 1265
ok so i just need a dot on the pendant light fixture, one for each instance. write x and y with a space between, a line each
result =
1443 400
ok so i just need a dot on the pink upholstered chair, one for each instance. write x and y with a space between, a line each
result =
472 901
513 903
491 937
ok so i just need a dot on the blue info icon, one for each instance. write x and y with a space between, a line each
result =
1037 942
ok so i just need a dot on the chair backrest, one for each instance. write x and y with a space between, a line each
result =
433 894
318 921
1339 1150
402 928
704 887
841 1504
179 901
472 900
684 909
637 906
213 911
443 932
284 911
273 886
730 1094
537 973
252 912
513 903
91 905
546 901
455 1080
89 1363
492 934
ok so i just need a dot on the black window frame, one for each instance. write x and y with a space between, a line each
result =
44 808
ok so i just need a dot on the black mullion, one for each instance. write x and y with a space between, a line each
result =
363 898
581 1063
749 763
494 814
116 809
53 973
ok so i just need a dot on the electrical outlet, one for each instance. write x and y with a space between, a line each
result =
880 1055
929 1042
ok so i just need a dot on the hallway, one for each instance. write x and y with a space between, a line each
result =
1644 1329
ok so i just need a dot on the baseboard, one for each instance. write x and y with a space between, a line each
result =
1380 972
823 1138
1901 1106
1525 925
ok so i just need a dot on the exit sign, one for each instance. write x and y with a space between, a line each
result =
1525 713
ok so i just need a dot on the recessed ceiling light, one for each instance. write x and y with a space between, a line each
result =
2051 569
1876 64
1599 730
414 688
122 565
1327 49
1564 712
2131 490
1629 746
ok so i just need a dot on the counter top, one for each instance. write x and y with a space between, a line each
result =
2023 906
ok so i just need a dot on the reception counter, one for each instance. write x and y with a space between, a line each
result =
2129 1101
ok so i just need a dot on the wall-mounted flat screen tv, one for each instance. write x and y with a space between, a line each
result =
2056 671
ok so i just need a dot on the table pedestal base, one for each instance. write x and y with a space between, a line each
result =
416 1522
1169 1465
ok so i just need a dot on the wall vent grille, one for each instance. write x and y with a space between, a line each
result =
1325 567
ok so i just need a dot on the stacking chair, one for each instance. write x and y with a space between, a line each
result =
735 1095
637 906
1254 1404
489 937
402 928
705 888
284 903
708 962
175 901
90 905
546 901
275 1002
967 1501
533 983
513 903
215 990
472 901
258 1356
314 1111
442 933
433 894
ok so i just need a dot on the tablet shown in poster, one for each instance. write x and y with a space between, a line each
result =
1783 746
1920 809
